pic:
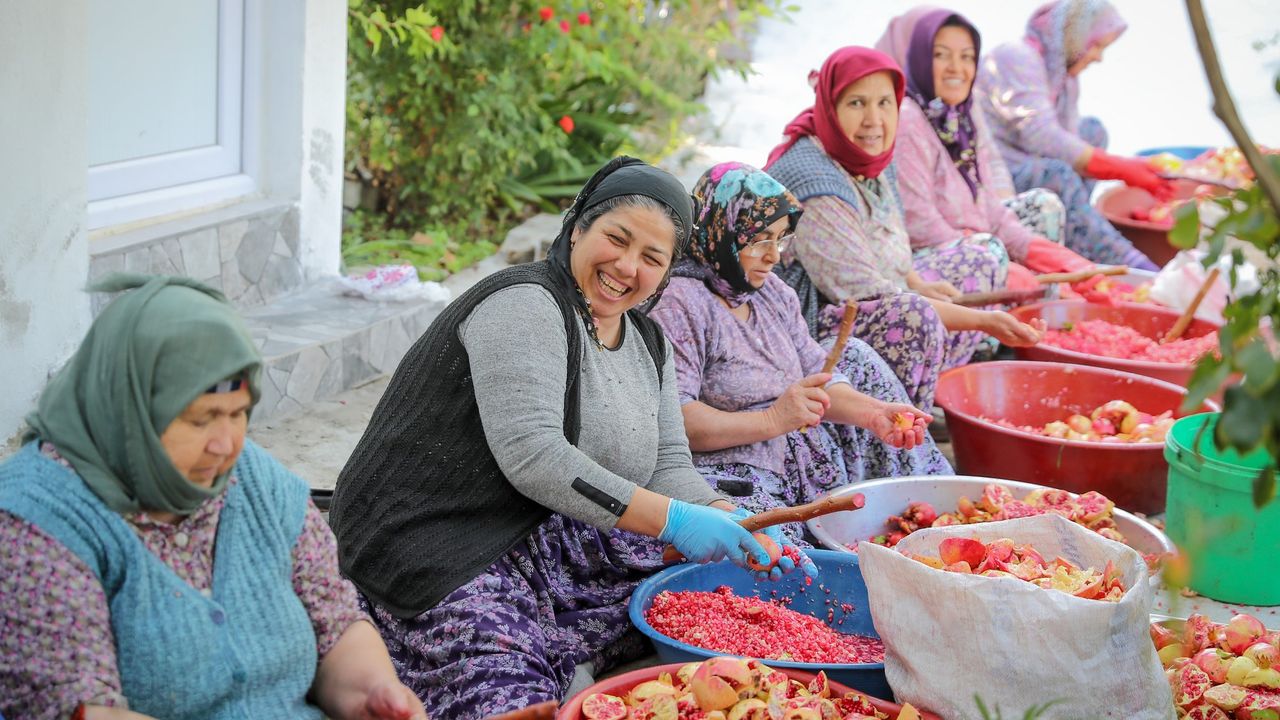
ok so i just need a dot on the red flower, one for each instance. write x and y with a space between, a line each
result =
566 124
584 19
564 26
437 33
545 13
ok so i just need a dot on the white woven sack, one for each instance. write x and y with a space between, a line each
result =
950 636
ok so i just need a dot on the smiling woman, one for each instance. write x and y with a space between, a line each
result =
528 462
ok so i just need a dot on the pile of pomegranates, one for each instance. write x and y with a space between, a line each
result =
1099 337
1004 558
1219 672
722 622
1092 510
725 688
1115 421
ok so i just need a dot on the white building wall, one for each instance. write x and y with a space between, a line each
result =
324 93
44 255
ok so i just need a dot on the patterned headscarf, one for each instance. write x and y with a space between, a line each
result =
843 68
1063 31
733 203
147 356
952 123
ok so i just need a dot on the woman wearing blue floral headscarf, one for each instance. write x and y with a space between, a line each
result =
749 374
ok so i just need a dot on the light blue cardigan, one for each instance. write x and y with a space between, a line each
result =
247 651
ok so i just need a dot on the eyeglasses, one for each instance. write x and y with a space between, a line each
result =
760 247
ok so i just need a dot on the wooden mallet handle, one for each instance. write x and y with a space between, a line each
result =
1001 297
842 336
1078 275
1184 321
778 516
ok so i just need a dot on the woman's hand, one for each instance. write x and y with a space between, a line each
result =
391 700
801 405
707 534
897 425
1011 331
938 290
785 564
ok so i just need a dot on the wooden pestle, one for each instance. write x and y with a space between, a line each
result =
778 516
1184 320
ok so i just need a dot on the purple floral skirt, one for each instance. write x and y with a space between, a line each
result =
512 636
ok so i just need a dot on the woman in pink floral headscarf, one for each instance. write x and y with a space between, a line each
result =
954 185
1028 91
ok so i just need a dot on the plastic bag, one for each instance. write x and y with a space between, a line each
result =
393 283
950 636
1178 282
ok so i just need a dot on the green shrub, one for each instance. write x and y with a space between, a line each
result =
472 124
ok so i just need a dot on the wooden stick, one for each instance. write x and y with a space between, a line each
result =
1078 275
778 516
541 711
1001 297
1184 321
842 337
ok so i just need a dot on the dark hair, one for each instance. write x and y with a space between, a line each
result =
595 212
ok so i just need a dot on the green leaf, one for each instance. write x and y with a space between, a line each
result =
1259 366
1264 487
1245 419
1186 226
1208 376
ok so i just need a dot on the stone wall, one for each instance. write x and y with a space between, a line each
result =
252 259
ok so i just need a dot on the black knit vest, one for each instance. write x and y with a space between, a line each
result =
421 506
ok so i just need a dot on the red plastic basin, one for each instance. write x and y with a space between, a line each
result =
1034 393
1118 202
1150 320
622 684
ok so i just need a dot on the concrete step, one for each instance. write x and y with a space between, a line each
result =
318 342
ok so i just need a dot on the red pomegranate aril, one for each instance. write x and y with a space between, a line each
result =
749 626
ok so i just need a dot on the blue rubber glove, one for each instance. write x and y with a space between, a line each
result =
785 564
705 534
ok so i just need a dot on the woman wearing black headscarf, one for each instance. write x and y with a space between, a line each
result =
495 514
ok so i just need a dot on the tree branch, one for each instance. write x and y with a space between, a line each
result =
1225 108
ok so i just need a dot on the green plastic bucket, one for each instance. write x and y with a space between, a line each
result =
1232 547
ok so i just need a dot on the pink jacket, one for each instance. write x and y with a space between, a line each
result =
937 204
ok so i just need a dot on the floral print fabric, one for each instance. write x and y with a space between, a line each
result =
513 635
56 646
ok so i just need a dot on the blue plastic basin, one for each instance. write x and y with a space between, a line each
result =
837 572
1186 152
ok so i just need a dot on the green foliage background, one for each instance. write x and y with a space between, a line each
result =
460 134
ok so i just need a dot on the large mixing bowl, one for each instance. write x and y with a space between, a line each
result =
1152 321
1133 475
889 496
839 577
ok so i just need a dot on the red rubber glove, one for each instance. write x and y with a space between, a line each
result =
1045 256
1130 171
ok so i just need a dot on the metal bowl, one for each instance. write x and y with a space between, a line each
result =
890 496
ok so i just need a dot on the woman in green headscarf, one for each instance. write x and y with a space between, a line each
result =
155 563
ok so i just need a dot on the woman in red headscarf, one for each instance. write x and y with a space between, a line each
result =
852 243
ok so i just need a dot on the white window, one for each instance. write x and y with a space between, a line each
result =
166 107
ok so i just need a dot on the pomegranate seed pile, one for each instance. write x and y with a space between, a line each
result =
1099 337
723 622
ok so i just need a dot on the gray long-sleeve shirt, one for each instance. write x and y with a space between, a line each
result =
632 432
